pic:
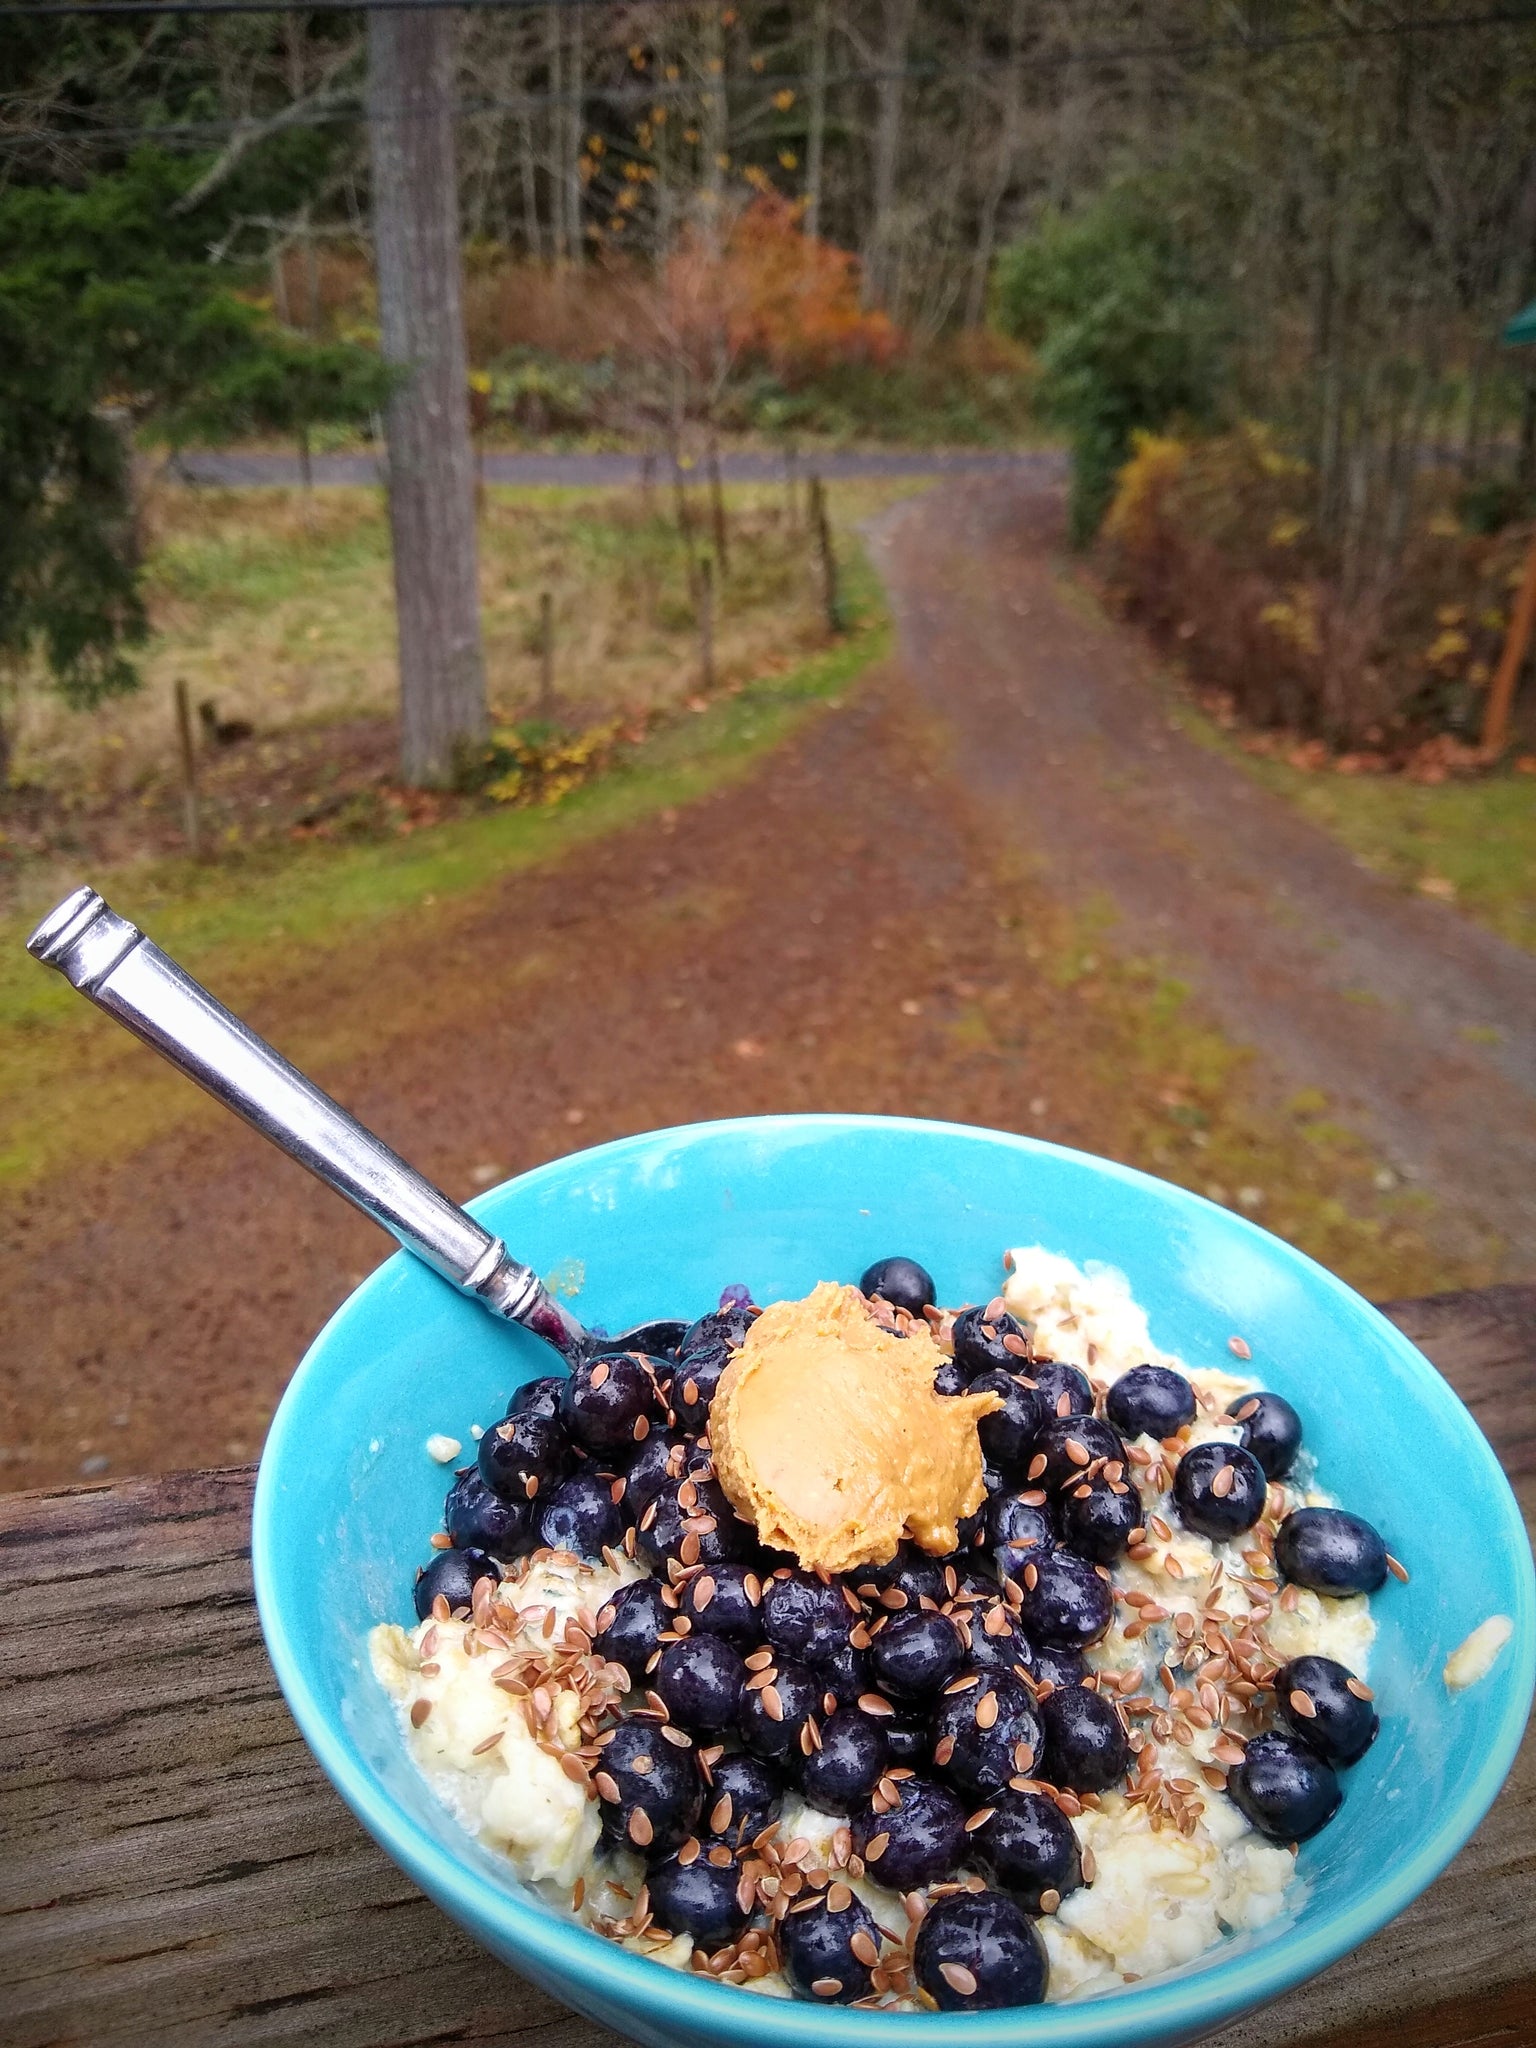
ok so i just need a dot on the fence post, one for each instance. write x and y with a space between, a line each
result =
717 509
190 822
546 656
707 625
792 483
826 555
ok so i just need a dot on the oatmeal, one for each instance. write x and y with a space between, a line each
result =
1074 1751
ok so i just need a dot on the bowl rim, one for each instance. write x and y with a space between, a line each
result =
1181 2005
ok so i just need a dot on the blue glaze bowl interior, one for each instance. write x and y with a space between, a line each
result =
656 1225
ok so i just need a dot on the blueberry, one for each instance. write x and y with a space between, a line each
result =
1008 1433
745 1795
950 1379
844 1673
1022 1518
699 1897
975 1951
1058 1383
1317 1701
658 1339
1097 1519
1271 1430
1069 1605
1150 1400
692 1387
452 1573
581 1516
821 1958
1049 1664
971 1531
726 1600
723 1328
805 1617
847 1763
629 1626
538 1397
610 1403
901 1282
1331 1551
1086 1747
771 1718
977 1351
1030 1847
915 1655
1068 1444
525 1456
699 1677
908 1742
1284 1789
1212 1503
665 1454
986 1735
478 1519
911 1572
918 1842
690 1520
997 1641
649 1790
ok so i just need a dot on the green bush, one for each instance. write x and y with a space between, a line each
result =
1128 335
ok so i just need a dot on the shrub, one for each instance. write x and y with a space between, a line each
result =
1210 543
1129 337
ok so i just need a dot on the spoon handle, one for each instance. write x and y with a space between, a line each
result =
128 976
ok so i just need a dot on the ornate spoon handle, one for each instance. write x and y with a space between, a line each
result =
128 976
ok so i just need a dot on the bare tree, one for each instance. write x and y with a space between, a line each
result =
431 467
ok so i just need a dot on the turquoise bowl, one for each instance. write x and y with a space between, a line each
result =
656 1225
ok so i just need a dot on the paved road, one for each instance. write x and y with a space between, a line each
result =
586 471
1418 1023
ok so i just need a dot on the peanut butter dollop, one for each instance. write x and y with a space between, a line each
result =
828 1435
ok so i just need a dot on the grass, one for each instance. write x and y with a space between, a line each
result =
65 1096
1470 842
276 605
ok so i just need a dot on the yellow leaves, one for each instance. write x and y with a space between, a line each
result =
1157 462
789 160
632 173
690 135
756 63
1443 526
480 383
595 145
1287 530
723 161
1447 646
1450 615
586 169
1294 620
535 766
784 100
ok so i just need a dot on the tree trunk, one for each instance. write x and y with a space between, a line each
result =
431 467
573 137
816 128
1002 170
557 132
896 25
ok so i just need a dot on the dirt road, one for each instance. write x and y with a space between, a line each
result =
847 928
1418 1023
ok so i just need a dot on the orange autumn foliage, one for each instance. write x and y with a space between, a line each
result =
775 295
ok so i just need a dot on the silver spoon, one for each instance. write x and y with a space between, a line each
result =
128 976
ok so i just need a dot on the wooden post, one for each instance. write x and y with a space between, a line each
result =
546 656
717 509
1501 691
648 483
792 483
825 555
707 625
190 822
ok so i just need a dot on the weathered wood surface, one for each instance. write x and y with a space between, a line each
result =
175 1870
